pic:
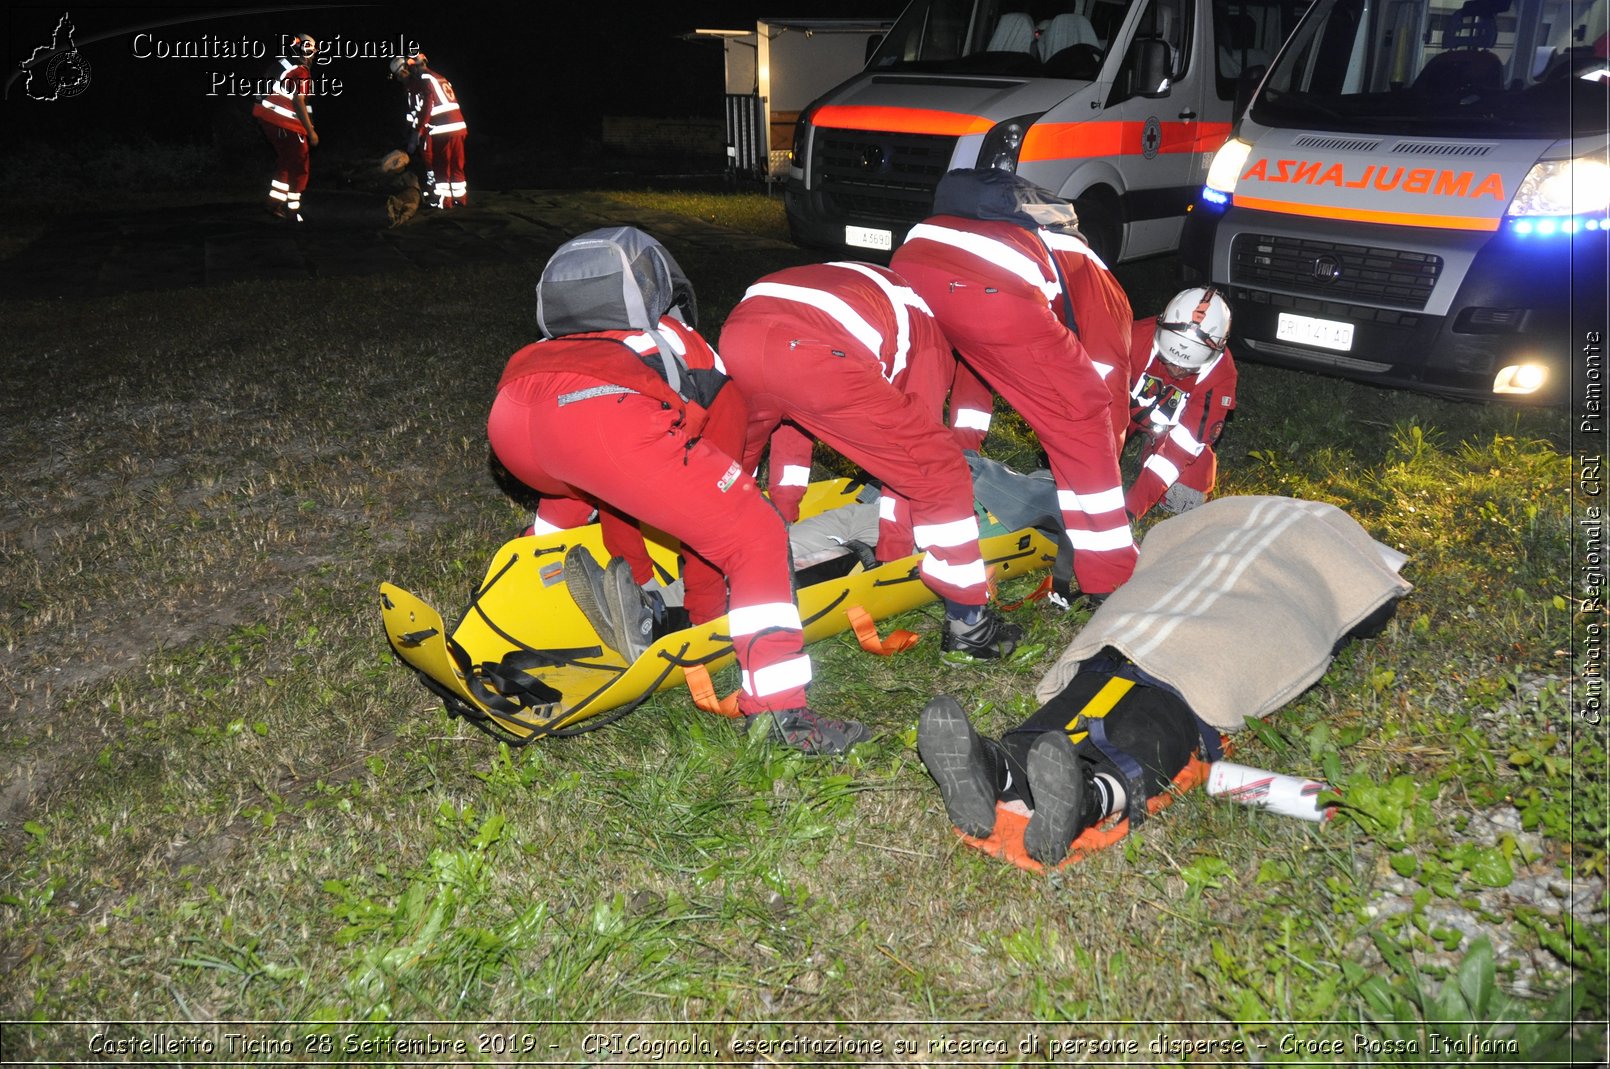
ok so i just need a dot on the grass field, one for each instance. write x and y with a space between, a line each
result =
225 801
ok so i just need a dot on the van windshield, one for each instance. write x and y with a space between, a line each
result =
1485 68
1017 38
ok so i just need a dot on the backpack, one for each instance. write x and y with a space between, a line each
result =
991 193
619 278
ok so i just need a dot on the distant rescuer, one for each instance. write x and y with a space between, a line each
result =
287 121
623 403
1032 310
437 129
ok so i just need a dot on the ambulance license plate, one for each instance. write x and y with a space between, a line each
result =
1305 330
865 237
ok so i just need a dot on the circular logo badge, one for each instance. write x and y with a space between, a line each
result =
1151 138
67 75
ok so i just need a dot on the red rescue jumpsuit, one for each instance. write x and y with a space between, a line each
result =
441 137
1002 294
851 354
583 417
281 124
1181 418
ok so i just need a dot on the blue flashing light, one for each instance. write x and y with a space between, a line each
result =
1548 226
1214 196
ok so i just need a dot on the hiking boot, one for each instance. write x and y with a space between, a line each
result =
1063 802
955 757
989 639
611 601
808 731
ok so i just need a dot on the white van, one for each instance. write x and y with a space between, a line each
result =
1416 196
1115 104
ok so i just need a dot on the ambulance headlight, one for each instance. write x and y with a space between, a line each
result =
1004 141
1225 169
1520 379
1564 188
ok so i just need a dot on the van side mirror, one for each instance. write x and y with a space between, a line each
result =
1152 68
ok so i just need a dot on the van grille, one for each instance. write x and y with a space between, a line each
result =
1393 277
880 175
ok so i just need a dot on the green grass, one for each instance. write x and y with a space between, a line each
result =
227 801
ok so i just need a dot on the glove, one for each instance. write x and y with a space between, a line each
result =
1178 499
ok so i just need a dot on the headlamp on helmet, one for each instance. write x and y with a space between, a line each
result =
1193 329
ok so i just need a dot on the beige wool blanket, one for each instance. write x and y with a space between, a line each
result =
1238 604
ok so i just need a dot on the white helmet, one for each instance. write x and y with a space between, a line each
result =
1193 329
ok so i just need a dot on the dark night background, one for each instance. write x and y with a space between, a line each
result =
535 79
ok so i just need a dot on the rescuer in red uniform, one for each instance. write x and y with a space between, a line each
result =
1030 308
1182 389
438 128
849 353
619 404
287 121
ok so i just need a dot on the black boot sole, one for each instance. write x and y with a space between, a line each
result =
1057 784
954 756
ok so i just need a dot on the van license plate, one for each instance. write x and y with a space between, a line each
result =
865 237
1325 333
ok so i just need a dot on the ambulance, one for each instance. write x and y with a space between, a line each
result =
1116 105
1417 196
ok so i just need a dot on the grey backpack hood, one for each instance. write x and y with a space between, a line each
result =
617 278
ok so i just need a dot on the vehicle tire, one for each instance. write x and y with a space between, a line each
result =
1100 224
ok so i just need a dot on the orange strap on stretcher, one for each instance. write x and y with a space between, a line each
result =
703 692
1036 594
866 632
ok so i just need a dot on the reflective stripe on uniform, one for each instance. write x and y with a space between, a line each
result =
1186 441
965 576
1098 541
886 509
901 300
834 307
945 535
1162 467
753 619
1028 269
1091 504
777 678
972 419
795 475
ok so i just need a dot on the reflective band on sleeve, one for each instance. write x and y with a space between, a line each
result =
777 678
833 306
945 535
1029 270
1091 504
1097 541
1102 369
1163 468
277 184
965 576
971 419
643 344
1186 441
795 475
753 619
1069 243
885 509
